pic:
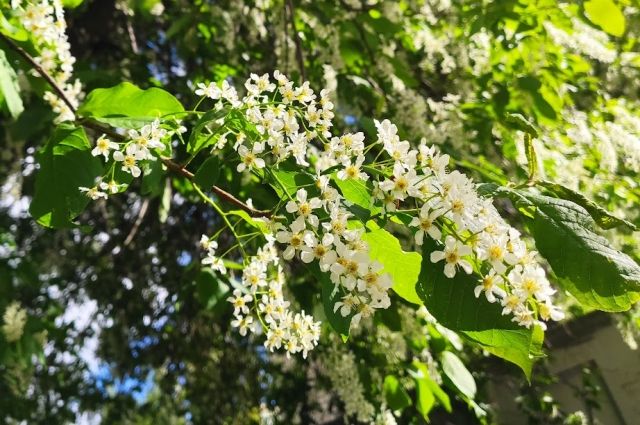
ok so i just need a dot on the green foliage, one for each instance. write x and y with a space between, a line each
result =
153 180
330 296
458 375
359 193
396 396
425 400
9 89
72 3
66 164
404 267
428 392
210 290
198 139
208 173
603 218
587 266
607 15
386 59
128 106
286 181
453 304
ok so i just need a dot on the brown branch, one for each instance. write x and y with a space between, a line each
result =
297 41
222 194
88 123
179 169
61 94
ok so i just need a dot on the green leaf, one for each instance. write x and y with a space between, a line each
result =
287 182
602 217
9 89
425 398
453 304
396 396
66 164
199 140
586 264
71 4
519 122
423 375
404 267
607 15
7 28
532 158
257 224
209 289
358 193
208 173
165 202
329 299
457 374
128 106
153 181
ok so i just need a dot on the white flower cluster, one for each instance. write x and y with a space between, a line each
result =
288 128
615 142
584 40
142 145
341 369
14 318
319 226
475 232
623 133
44 20
262 282
385 417
447 122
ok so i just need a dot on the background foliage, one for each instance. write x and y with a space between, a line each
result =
123 322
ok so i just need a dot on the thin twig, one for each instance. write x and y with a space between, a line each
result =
132 37
134 230
40 71
298 42
115 135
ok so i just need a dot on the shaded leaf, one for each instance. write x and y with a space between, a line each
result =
396 396
9 89
66 164
453 304
602 217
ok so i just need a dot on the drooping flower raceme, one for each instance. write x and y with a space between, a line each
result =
44 21
315 223
14 319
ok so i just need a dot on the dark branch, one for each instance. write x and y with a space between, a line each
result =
116 136
61 94
222 194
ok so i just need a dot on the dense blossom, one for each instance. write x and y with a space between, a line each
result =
14 319
319 226
341 368
44 20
